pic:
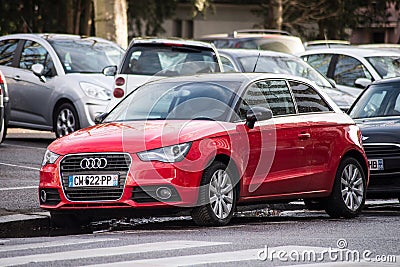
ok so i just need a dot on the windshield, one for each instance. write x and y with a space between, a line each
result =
169 60
177 101
386 66
288 65
378 101
86 55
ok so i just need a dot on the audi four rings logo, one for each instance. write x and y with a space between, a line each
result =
93 163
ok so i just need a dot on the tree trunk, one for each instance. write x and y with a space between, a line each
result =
86 22
69 12
276 14
111 20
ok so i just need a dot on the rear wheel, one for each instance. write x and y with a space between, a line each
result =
66 120
349 190
217 196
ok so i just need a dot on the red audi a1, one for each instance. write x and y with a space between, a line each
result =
204 144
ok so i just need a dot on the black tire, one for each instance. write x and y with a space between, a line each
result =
314 204
217 203
66 120
349 190
67 220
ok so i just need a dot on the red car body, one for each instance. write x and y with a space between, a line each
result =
307 152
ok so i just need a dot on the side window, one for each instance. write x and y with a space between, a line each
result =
307 99
227 63
348 70
272 94
319 62
7 51
34 53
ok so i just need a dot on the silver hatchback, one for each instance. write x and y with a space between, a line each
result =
55 81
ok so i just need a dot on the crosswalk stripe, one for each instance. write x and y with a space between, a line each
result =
105 252
53 244
234 256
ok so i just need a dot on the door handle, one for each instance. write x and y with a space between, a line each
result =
304 136
17 78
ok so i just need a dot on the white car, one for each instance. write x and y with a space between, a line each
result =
354 68
153 58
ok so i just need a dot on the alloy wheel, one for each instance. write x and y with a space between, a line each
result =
352 187
66 122
221 194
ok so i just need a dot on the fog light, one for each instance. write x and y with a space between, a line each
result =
163 193
43 196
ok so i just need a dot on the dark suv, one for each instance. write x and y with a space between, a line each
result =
262 39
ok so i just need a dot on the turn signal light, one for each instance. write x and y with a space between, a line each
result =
118 93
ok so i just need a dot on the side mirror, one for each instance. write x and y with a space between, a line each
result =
332 82
362 82
38 70
99 118
110 70
257 114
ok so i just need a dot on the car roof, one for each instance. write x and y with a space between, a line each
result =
52 36
353 51
252 52
387 81
173 41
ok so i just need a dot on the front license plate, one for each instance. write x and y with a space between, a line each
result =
93 180
375 164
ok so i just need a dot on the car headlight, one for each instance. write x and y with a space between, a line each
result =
173 153
49 157
95 91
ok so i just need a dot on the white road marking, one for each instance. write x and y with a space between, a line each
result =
50 244
20 166
18 188
106 252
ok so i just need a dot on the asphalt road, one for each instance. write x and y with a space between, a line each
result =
286 234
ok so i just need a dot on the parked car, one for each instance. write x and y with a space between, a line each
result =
153 58
314 44
354 68
262 39
377 112
3 86
55 81
250 60
204 144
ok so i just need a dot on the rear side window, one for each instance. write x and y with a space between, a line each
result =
169 61
272 94
7 51
320 62
307 99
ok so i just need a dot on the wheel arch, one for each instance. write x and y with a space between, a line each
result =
360 158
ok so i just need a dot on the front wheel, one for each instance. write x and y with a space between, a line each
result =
66 120
349 190
217 196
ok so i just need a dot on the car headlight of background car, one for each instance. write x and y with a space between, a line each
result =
49 157
95 91
173 153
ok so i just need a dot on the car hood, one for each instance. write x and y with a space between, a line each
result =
380 130
342 99
95 78
137 136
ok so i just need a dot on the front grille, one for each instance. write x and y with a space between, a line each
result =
117 163
381 150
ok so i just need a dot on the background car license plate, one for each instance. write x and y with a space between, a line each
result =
93 180
375 164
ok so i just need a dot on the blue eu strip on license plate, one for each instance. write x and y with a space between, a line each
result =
93 180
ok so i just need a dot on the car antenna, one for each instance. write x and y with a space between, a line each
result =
255 65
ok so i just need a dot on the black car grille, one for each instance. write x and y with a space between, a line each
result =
381 150
116 164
